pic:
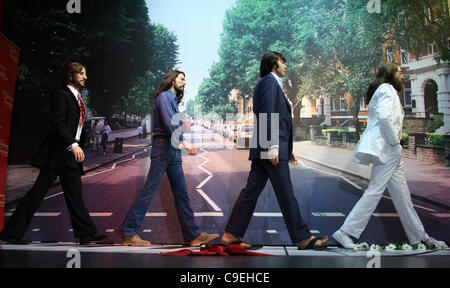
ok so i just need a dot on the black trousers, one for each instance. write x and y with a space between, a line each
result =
279 176
70 179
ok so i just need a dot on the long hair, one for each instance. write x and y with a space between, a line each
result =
385 75
168 81
268 61
69 72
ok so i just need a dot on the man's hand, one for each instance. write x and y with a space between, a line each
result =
78 153
273 156
293 160
191 149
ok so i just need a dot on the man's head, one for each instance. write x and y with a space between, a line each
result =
272 62
74 74
175 81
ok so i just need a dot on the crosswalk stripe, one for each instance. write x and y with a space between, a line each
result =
156 214
385 214
208 214
328 214
40 214
264 214
100 214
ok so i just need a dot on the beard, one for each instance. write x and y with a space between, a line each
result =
180 93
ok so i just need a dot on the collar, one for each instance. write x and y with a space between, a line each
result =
74 91
279 80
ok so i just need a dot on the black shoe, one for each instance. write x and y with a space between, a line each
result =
12 240
93 239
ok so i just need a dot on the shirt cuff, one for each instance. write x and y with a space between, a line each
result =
71 147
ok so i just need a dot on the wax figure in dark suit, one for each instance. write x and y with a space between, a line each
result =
271 161
60 155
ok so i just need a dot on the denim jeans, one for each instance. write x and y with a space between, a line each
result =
165 158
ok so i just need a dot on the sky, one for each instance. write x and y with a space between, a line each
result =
198 26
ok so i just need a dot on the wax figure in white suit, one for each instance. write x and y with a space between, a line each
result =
380 145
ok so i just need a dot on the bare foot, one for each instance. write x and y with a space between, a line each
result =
229 238
321 242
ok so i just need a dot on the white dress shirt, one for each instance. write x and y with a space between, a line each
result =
75 93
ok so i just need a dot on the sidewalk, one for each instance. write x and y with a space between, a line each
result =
20 178
426 181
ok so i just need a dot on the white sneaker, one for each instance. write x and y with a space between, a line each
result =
438 244
344 239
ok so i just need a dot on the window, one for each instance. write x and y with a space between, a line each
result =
342 104
389 55
430 49
405 57
407 93
362 104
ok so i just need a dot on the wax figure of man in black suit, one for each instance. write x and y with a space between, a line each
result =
271 161
60 155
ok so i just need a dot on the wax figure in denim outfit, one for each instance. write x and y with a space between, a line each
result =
60 155
380 145
271 162
166 158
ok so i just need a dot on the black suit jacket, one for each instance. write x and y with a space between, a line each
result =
65 116
269 98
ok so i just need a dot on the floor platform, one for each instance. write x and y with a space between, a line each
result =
63 255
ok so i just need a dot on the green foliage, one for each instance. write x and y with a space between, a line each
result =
332 46
333 131
405 139
222 110
437 140
124 53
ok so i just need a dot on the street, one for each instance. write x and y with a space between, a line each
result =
214 178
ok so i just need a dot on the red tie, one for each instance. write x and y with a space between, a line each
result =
82 110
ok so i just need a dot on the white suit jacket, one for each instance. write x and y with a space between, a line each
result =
384 127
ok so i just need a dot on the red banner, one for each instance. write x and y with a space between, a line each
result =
9 59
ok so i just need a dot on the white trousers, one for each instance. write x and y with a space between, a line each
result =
392 176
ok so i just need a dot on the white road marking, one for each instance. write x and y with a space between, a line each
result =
272 231
209 200
40 214
208 214
54 195
315 231
146 230
441 215
267 214
328 214
96 214
156 214
385 214
204 182
113 166
35 230
332 174
356 186
109 230
98 173
210 176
